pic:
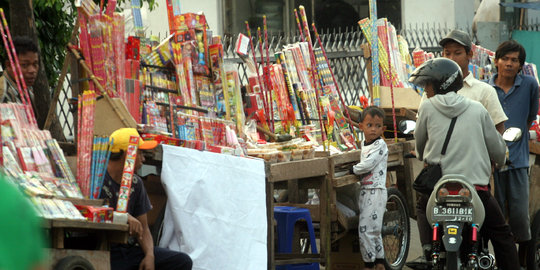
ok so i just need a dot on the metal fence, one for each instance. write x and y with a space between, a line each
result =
63 110
343 50
530 25
345 54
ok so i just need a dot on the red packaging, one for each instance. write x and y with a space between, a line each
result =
133 47
182 22
96 213
127 175
419 57
183 36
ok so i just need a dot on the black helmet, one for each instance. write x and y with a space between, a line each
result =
443 73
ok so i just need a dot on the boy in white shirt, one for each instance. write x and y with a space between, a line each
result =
372 193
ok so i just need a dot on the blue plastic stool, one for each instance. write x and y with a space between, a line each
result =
286 218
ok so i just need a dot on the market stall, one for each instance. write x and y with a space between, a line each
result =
224 152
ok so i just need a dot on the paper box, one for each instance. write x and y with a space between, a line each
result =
403 98
96 213
111 114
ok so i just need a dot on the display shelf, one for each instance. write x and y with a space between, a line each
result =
91 202
203 110
297 169
106 233
83 224
157 67
161 89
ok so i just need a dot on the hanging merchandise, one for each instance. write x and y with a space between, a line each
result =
137 18
100 159
235 96
219 80
101 40
85 127
314 74
348 137
127 174
481 63
256 85
370 30
302 90
390 75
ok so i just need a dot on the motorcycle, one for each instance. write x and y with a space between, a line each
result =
456 214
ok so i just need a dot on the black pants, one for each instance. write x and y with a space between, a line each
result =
125 257
494 228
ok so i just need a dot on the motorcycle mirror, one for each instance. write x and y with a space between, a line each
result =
407 126
512 134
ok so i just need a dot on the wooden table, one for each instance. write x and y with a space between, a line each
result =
106 233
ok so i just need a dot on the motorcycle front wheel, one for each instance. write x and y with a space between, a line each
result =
396 230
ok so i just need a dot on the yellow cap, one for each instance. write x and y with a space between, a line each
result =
121 137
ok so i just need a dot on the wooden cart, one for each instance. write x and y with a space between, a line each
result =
336 232
99 258
297 175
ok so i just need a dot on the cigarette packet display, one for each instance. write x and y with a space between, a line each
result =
96 213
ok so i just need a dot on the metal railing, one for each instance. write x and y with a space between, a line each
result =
427 36
530 25
63 109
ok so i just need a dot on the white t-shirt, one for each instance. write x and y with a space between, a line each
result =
483 93
372 166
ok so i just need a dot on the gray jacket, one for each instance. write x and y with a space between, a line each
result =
473 143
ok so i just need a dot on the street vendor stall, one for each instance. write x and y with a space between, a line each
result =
284 101
222 159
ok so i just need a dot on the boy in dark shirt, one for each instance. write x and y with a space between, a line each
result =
142 254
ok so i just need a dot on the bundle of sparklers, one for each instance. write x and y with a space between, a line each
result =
22 88
101 41
300 88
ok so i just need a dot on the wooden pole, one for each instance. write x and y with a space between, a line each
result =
97 84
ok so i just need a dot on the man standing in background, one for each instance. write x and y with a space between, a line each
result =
518 95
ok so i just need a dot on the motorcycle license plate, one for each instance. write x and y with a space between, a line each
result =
448 213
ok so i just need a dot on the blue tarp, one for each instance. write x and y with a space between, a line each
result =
531 5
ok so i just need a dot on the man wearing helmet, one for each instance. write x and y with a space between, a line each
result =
473 143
